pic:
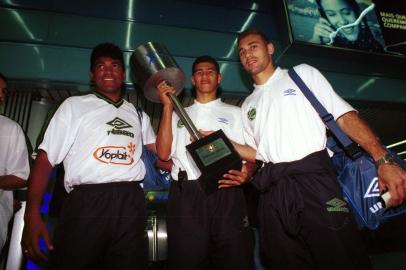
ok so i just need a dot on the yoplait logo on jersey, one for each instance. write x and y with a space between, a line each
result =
117 155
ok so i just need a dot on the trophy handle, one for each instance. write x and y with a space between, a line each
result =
184 117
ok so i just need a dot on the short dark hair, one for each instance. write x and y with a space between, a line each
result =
106 49
252 31
203 59
4 78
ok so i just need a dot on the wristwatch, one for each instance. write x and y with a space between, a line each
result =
386 159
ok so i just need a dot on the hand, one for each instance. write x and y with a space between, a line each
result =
203 133
34 230
163 90
393 178
322 30
234 178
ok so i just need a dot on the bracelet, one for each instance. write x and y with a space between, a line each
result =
386 159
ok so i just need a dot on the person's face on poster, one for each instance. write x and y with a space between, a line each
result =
339 13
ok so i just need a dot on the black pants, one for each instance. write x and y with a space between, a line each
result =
208 232
304 221
102 226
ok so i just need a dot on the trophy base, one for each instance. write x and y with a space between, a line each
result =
214 155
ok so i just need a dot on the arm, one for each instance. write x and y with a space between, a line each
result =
160 164
391 176
164 138
35 228
246 152
11 182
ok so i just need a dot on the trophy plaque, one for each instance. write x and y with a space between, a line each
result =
214 154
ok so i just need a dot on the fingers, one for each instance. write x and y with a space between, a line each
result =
31 243
322 29
397 195
205 133
47 240
163 90
233 178
228 183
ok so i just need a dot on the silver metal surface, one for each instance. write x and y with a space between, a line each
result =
151 64
157 239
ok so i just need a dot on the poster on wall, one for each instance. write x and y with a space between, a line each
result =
392 18
353 24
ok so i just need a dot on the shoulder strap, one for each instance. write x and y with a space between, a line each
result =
139 113
349 146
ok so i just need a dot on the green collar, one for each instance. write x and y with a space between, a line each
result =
108 100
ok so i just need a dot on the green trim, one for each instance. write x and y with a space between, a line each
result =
103 97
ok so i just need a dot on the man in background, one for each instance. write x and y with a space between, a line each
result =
14 164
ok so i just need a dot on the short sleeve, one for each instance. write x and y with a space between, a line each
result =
323 90
18 163
59 135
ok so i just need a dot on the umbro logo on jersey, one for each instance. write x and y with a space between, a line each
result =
252 113
222 120
373 190
118 125
289 92
337 205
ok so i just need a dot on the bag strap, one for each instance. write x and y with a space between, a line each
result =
139 113
349 146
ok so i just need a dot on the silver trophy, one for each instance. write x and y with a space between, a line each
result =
151 64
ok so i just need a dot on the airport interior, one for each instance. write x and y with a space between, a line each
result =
45 47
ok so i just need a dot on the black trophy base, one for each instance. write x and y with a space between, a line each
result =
214 155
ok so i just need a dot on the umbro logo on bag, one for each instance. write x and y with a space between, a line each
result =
373 190
337 205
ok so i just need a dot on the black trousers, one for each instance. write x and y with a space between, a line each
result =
208 232
304 221
102 226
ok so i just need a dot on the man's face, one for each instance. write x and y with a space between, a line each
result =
255 54
108 75
205 78
3 91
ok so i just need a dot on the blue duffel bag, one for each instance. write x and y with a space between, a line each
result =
356 170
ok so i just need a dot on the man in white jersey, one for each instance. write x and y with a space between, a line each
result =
204 231
14 164
98 139
304 222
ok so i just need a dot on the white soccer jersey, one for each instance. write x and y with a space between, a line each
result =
281 124
97 140
13 161
210 116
